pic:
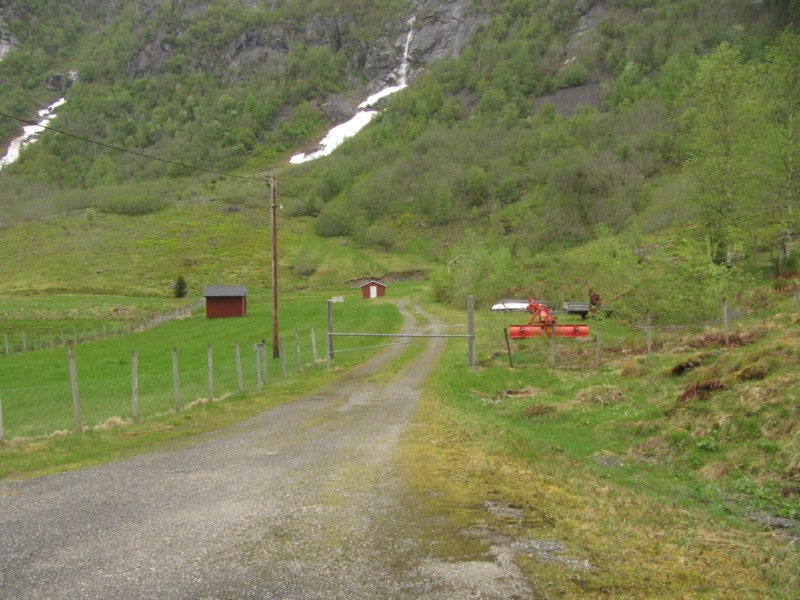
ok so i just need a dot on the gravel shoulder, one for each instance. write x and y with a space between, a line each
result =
303 501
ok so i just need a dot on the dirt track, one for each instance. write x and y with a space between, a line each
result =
302 501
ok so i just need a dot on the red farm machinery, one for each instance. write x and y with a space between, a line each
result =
543 324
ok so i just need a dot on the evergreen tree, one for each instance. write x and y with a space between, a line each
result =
181 289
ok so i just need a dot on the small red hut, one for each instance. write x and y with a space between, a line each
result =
373 289
225 301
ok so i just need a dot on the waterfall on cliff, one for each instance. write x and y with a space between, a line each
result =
30 133
340 133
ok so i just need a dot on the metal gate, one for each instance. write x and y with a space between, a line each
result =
470 335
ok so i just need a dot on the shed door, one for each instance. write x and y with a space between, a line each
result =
373 291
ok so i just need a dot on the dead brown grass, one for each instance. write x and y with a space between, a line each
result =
600 395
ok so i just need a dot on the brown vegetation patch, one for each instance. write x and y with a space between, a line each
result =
600 395
754 372
524 392
716 339
700 390
111 423
537 410
688 363
632 367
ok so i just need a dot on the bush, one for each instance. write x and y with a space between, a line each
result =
131 206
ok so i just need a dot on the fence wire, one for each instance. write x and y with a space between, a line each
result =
37 411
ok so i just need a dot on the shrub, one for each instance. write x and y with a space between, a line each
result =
132 206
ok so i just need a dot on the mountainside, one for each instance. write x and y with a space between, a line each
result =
540 138
264 74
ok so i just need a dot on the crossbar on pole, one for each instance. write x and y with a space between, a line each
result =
411 335
378 346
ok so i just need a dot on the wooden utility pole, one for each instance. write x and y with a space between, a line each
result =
274 206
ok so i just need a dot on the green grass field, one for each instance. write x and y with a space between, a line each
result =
35 386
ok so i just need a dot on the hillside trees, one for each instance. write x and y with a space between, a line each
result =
720 123
782 79
742 126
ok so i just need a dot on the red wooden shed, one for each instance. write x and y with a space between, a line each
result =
373 289
225 301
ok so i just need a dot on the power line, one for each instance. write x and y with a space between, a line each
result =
169 162
134 152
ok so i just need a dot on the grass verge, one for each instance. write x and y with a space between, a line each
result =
603 482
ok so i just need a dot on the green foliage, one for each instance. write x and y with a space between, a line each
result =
131 205
483 273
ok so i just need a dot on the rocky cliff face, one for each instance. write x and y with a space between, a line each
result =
164 37
7 43
441 29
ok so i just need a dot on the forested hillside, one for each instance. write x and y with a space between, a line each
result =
685 128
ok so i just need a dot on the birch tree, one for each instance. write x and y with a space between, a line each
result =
782 96
720 121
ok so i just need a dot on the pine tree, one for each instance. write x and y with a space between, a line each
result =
181 289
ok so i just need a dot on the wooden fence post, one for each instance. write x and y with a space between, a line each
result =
297 349
508 348
797 297
76 403
725 322
283 358
135 384
5 343
210 374
471 330
257 349
314 357
598 344
329 354
239 367
649 335
176 385
264 360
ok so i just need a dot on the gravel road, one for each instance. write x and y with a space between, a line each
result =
300 502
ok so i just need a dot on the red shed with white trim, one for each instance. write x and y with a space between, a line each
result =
225 301
373 289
